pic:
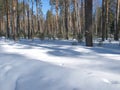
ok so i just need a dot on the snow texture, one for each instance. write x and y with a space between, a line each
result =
58 65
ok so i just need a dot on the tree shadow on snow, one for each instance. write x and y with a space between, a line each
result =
55 48
99 62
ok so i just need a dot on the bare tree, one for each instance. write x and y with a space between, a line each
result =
117 15
6 6
88 22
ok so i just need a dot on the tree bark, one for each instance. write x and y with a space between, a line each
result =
117 14
66 19
103 20
88 22
7 22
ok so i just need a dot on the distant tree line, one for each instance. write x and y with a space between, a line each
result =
66 19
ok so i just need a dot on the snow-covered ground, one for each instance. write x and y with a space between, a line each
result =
58 65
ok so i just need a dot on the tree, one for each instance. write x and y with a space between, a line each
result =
88 22
38 17
18 20
66 5
24 21
57 22
6 6
28 17
103 20
117 15
75 18
1 15
32 17
107 17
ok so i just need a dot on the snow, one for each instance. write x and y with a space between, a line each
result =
58 65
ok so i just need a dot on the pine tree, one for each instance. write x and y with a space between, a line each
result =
88 22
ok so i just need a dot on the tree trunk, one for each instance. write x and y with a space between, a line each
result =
32 17
88 22
23 25
117 14
7 22
17 22
82 17
57 25
103 20
28 16
66 19
75 20
107 11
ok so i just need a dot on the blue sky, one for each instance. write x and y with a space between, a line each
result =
45 6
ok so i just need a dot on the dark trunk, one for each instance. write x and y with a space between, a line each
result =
103 20
28 24
88 22
66 19
7 23
116 36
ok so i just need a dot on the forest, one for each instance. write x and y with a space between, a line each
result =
59 44
83 20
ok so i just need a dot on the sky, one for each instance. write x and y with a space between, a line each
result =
45 6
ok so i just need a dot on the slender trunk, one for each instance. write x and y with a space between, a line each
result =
7 22
75 20
18 24
0 27
57 26
66 19
82 17
32 21
103 20
23 23
107 11
28 16
117 14
28 25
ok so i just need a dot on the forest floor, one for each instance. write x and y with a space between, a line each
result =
58 65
